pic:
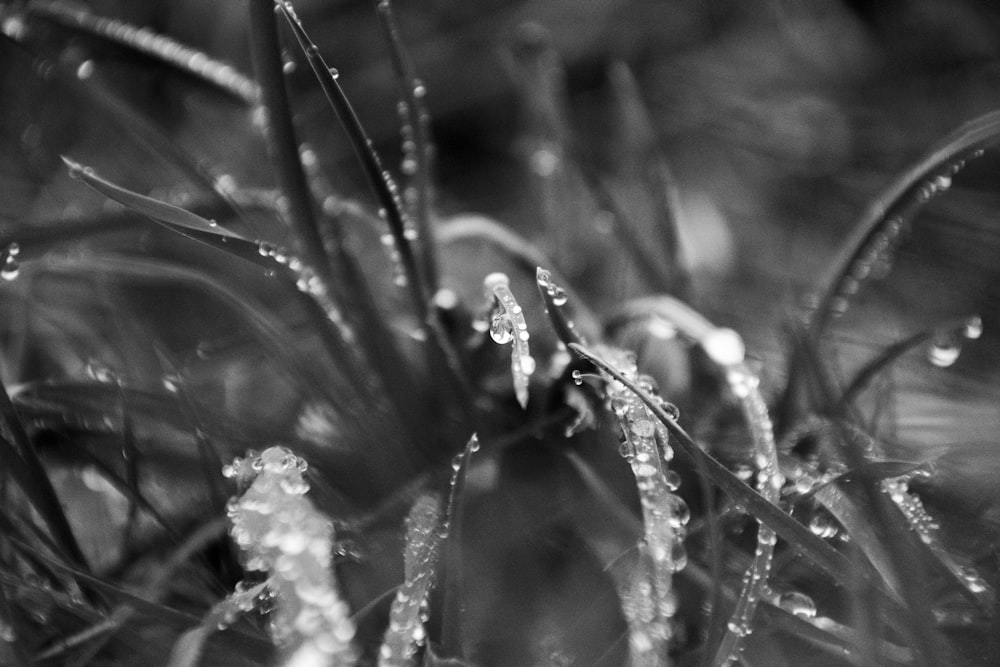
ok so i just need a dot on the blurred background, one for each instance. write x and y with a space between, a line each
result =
779 119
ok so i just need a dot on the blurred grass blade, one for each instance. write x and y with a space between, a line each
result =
143 41
832 562
167 214
20 460
417 149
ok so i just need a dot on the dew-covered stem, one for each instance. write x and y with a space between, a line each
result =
381 183
144 41
897 203
296 203
417 149
835 564
507 325
406 632
284 536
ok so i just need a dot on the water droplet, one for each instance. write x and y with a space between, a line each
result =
334 73
528 365
822 525
643 428
797 603
544 162
10 269
171 383
501 329
672 480
85 70
558 295
619 405
944 351
973 327
724 346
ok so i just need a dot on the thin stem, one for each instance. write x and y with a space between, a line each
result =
280 134
411 90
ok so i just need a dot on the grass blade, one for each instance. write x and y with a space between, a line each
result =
839 568
143 41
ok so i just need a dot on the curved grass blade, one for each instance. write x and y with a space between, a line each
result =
881 222
838 567
143 41
648 599
725 348
406 632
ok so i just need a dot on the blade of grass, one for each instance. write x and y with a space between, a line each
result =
797 535
901 199
442 353
416 129
143 41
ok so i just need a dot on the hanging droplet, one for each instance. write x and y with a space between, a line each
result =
944 351
501 329
798 604
558 295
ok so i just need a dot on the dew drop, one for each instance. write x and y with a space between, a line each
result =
558 295
944 352
643 428
11 269
85 70
501 329
973 327
528 365
822 525
724 346
672 480
619 405
798 604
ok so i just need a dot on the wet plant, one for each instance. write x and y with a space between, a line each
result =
247 420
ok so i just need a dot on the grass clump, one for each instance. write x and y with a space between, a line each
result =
419 497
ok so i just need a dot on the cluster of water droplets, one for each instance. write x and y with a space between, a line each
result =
282 534
726 348
409 610
309 283
10 268
648 599
927 528
506 325
946 344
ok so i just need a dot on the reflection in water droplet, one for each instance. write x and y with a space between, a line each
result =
797 603
501 329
